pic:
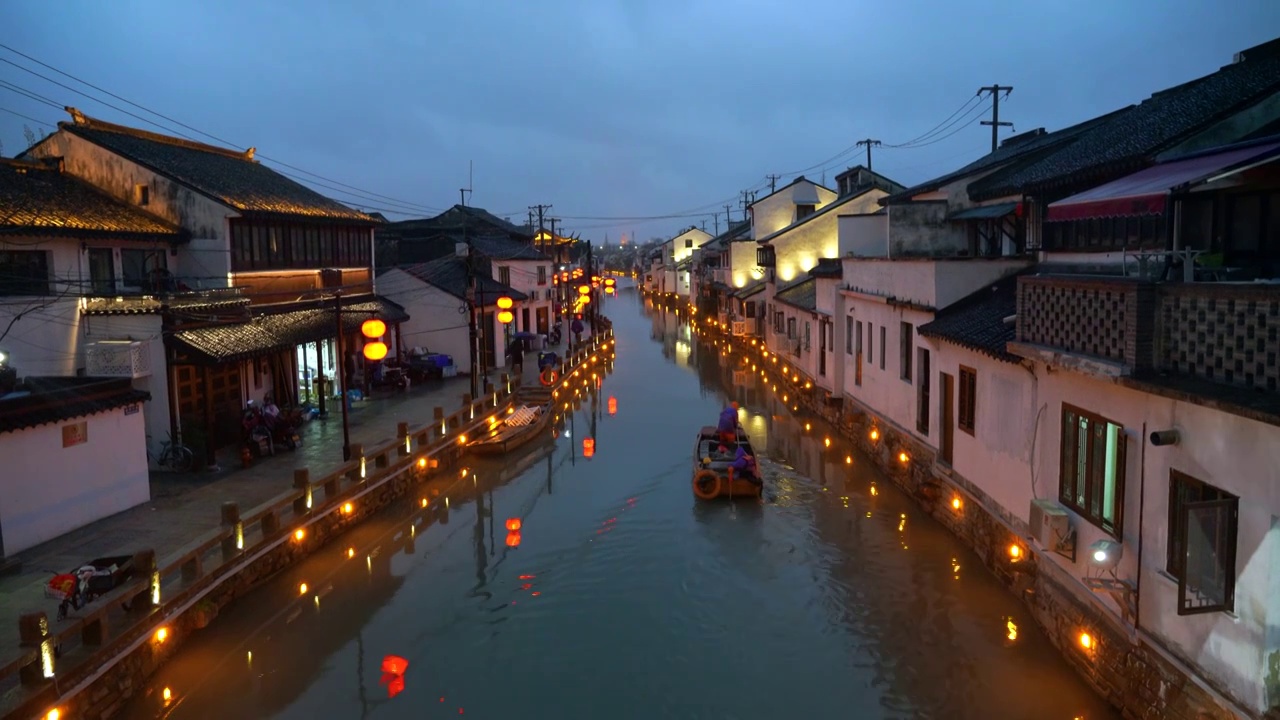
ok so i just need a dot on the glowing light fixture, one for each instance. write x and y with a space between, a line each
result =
1106 554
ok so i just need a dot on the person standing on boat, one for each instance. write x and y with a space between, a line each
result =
728 427
744 466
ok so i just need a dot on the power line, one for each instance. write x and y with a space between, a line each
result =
936 128
24 117
215 138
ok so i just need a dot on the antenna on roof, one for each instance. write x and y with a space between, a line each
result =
463 192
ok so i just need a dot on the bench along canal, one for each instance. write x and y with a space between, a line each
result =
628 598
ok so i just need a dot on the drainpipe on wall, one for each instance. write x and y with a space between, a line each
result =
1142 502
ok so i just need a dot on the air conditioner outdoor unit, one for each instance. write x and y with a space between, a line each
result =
1050 523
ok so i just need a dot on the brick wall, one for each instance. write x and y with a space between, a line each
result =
1224 333
1100 317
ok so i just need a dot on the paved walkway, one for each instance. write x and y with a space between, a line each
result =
184 507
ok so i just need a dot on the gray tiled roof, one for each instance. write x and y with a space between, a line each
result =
225 175
802 294
501 248
450 275
39 199
1130 140
1029 145
276 331
977 321
57 399
828 268
742 228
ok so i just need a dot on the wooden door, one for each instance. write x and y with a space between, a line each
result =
947 411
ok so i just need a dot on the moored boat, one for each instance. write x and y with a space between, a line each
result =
527 420
713 475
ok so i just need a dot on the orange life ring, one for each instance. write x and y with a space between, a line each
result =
549 377
706 484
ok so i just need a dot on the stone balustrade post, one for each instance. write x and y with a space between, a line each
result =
234 542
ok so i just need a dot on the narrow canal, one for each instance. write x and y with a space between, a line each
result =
626 598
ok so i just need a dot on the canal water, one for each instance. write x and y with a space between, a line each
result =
627 598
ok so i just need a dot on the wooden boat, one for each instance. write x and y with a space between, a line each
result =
712 474
530 419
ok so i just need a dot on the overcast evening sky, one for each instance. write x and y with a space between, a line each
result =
604 108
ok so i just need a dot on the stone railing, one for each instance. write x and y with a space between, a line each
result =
1226 333
51 668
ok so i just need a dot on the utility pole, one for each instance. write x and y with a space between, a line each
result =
717 221
471 309
869 143
341 366
994 122
728 219
555 253
552 251
773 183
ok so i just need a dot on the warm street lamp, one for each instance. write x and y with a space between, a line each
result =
374 349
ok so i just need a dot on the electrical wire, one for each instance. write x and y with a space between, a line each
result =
973 115
408 208
372 195
938 127
24 117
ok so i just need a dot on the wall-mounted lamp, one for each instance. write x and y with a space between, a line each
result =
1160 438
1106 554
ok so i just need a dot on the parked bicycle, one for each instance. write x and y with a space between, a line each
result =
174 456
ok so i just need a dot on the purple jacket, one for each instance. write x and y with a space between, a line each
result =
728 420
742 462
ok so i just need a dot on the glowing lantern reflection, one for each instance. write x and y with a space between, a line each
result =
613 405
513 539
513 524
583 289
588 447
394 665
393 670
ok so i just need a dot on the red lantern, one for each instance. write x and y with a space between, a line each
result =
513 524
513 539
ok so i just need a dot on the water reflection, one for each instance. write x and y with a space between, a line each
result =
839 599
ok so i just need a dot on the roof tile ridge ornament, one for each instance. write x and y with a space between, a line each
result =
90 123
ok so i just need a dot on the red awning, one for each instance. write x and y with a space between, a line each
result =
1145 192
